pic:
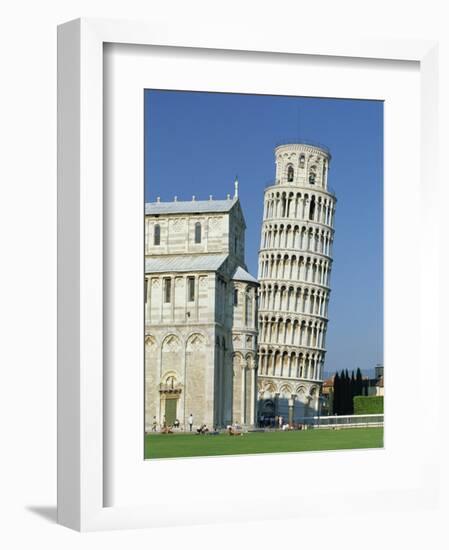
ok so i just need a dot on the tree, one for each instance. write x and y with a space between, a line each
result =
346 387
337 392
358 382
344 392
352 393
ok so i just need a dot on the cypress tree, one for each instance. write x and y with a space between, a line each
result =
365 387
337 390
344 392
340 394
348 392
358 382
353 390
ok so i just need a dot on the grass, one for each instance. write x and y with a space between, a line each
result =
187 445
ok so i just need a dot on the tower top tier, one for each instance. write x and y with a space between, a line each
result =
302 165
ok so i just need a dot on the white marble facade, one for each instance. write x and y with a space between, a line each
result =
295 261
200 315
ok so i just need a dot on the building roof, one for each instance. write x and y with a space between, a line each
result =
184 263
189 207
241 274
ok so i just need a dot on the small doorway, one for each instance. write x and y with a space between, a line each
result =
170 411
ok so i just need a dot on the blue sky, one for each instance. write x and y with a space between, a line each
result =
196 142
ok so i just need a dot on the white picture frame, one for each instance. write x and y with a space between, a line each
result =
82 402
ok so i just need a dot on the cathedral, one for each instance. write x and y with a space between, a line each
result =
200 315
222 347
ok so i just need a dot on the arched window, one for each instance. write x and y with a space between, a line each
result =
157 235
312 175
290 173
191 289
248 309
236 296
302 161
197 232
167 290
312 209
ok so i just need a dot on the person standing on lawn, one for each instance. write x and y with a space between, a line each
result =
190 422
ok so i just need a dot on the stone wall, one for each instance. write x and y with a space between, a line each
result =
194 335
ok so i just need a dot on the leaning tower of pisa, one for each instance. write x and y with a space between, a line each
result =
295 262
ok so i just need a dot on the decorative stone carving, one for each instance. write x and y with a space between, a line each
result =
171 344
195 343
150 341
286 390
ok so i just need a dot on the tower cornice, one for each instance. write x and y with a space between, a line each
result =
304 147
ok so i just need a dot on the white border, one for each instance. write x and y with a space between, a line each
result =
128 71
80 360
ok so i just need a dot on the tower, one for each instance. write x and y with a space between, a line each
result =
295 261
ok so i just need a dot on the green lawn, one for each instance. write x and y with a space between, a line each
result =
184 445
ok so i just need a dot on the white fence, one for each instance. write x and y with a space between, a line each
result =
344 421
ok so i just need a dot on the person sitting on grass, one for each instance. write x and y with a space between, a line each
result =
233 430
203 429
166 429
